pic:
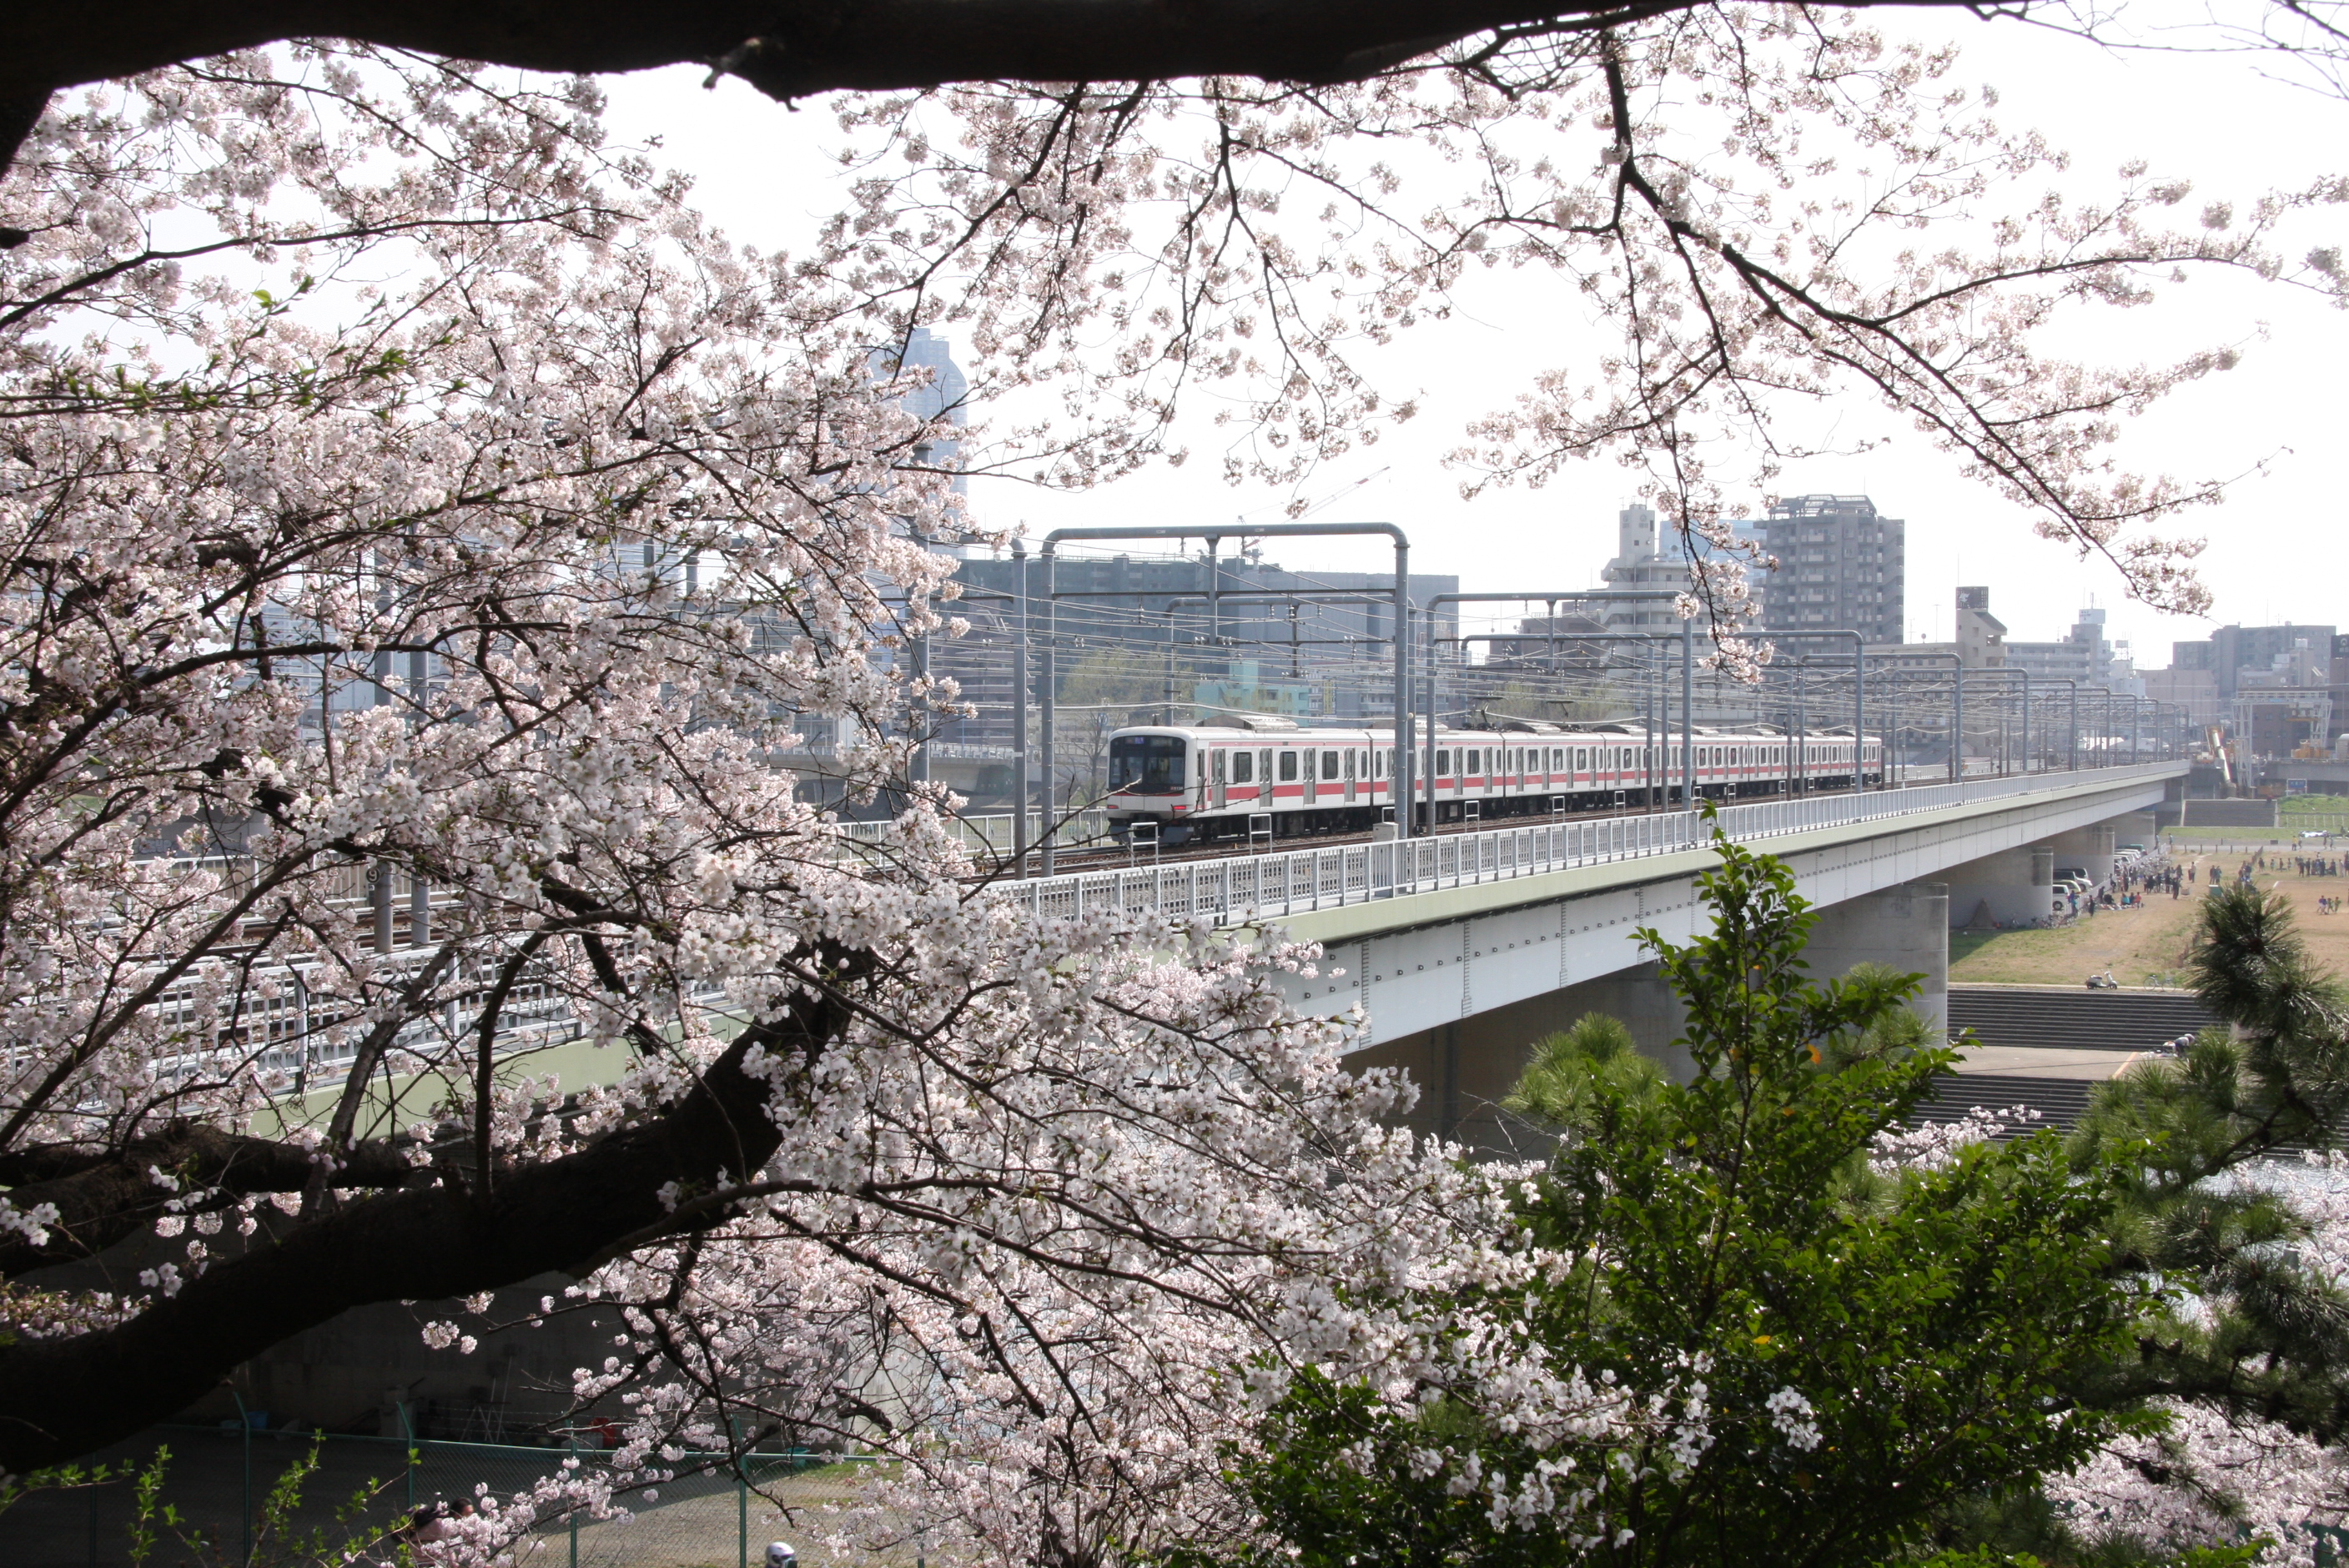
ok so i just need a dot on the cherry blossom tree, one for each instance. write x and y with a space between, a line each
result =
449 505
425 537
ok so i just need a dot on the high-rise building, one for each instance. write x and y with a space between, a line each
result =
1841 567
1642 562
945 397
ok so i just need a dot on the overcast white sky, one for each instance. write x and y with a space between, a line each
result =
2276 546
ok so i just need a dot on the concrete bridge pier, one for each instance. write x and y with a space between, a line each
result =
2010 888
2091 848
1905 928
1466 1067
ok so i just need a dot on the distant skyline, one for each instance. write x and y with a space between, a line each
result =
2276 419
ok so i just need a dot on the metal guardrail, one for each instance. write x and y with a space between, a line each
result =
308 1033
990 834
1242 887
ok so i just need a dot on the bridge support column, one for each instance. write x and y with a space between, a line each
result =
1905 928
2013 887
2090 848
1465 1068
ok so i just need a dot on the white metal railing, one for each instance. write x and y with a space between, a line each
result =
309 1035
991 835
1238 887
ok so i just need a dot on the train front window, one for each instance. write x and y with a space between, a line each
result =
1146 764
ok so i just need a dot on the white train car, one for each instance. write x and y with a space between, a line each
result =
1205 781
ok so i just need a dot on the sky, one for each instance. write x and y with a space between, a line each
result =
2276 550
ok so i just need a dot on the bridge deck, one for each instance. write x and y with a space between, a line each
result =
1464 875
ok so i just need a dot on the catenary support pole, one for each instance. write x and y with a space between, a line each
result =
1551 598
1859 699
1688 713
1050 555
1020 802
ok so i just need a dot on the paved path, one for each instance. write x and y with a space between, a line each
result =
2037 1061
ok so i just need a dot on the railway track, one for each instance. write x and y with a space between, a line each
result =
1070 858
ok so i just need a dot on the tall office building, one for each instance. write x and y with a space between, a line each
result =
944 398
1841 567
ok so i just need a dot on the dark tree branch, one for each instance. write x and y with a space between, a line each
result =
103 1196
794 48
63 1397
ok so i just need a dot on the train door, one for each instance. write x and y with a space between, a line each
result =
1312 777
1351 783
1220 786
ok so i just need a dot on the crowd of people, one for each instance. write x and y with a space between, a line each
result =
2131 883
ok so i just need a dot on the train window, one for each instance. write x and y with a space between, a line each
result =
1146 764
1288 767
1215 766
1443 765
1379 763
1264 765
1243 767
1329 764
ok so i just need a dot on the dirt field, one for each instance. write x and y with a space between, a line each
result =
2147 946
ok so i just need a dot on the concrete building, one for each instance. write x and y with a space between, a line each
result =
2231 650
1642 561
2287 707
1980 636
1841 566
2084 655
1532 648
2194 690
1130 611
1980 643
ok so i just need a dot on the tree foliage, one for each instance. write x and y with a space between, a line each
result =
403 488
1849 1342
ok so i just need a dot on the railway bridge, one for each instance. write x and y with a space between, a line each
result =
1464 950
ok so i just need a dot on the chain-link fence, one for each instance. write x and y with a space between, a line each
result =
212 1504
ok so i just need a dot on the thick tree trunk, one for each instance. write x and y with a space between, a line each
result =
61 1398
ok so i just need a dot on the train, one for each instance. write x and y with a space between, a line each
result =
1197 782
